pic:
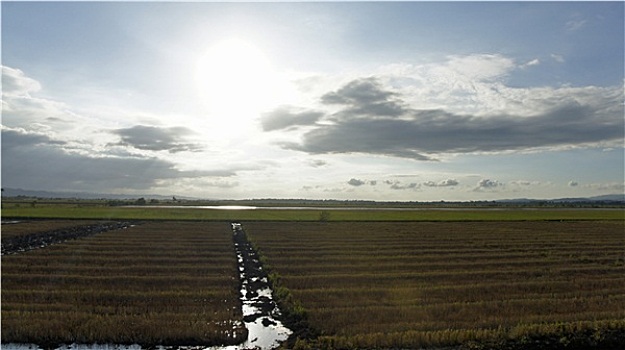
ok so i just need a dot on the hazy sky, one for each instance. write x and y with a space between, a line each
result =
383 101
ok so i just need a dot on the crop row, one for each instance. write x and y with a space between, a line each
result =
170 283
448 283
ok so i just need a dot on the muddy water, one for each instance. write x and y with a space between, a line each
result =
260 312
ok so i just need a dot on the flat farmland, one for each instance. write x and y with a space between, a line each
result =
36 226
169 283
432 284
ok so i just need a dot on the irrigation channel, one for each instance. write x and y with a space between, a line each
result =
260 311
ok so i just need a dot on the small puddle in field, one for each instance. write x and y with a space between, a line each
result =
260 311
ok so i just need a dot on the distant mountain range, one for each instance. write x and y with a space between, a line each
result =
18 192
604 198
13 192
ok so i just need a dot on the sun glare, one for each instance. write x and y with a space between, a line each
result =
235 82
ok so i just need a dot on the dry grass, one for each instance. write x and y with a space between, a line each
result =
407 285
36 226
157 283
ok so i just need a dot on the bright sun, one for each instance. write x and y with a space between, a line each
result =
235 82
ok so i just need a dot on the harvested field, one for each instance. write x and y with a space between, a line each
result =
423 284
22 240
37 226
169 283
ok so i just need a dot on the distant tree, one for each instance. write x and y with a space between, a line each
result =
153 201
324 216
140 201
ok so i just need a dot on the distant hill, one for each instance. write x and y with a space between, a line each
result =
18 192
605 198
12 192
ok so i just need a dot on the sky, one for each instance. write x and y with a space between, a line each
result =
401 101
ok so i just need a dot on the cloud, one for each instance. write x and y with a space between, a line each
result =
151 138
524 183
365 97
443 183
533 62
615 187
484 67
356 182
16 83
376 120
21 109
487 185
18 138
317 163
557 58
576 23
398 185
36 161
286 117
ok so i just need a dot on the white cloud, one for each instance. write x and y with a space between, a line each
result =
524 183
443 183
16 84
534 62
487 185
575 24
481 67
616 187
557 58
45 145
398 185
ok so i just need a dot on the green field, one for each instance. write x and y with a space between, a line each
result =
99 212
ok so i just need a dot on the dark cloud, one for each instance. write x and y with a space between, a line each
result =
151 138
19 138
286 117
375 121
365 97
356 182
317 163
34 161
